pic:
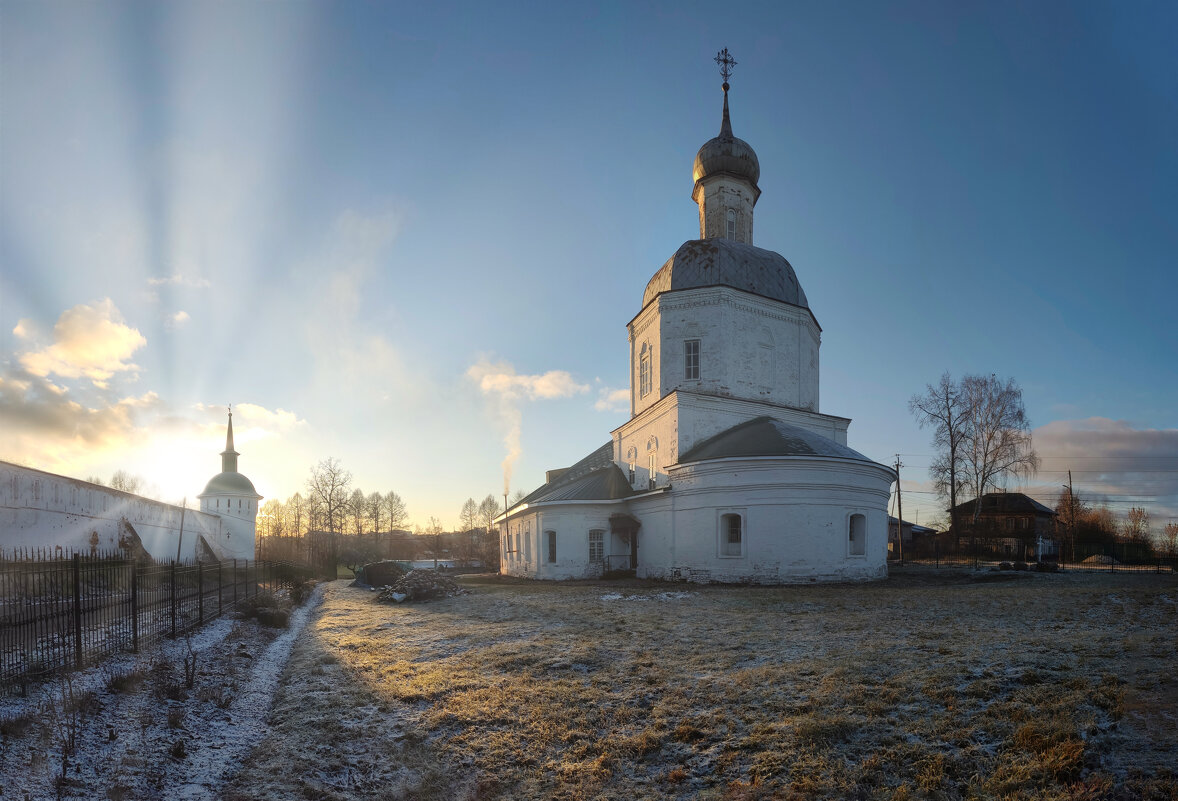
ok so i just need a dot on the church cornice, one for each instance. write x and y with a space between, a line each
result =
701 296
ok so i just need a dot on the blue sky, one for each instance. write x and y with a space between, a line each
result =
391 232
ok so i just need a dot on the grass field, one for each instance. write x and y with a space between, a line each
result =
932 684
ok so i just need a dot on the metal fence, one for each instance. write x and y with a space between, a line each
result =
63 612
1107 557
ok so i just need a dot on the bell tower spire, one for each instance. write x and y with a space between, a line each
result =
229 456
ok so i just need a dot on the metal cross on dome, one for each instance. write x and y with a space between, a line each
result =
726 62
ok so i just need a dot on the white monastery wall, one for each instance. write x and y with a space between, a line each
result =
44 510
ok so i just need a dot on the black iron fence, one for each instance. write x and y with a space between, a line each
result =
63 612
1017 555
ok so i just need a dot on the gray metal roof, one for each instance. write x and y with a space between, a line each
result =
594 478
765 436
229 483
724 262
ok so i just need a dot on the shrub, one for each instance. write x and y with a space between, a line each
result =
265 608
122 681
301 591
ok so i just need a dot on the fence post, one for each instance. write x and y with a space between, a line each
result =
135 607
219 585
78 608
235 582
200 592
173 599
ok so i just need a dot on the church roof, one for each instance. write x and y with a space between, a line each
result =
725 262
765 436
229 483
594 478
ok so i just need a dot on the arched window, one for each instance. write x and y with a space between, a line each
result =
731 232
551 535
857 535
644 381
691 360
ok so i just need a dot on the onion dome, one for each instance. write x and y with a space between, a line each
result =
727 154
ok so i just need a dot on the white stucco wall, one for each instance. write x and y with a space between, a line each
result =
751 348
715 195
44 510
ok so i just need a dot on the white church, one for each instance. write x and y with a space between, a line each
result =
42 511
726 471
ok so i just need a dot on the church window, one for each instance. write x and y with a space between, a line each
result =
858 535
551 535
731 231
644 372
731 535
691 360
596 546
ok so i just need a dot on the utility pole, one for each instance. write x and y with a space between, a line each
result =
1071 517
899 513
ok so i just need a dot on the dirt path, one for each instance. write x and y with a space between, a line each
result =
933 684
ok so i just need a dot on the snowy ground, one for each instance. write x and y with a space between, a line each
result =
156 738
933 684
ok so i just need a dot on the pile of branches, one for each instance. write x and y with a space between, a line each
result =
421 585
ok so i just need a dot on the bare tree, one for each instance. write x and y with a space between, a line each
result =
433 530
997 438
395 511
374 508
1137 528
943 408
1170 539
122 480
489 551
358 510
468 521
296 512
328 489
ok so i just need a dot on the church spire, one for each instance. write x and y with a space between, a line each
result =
229 456
726 62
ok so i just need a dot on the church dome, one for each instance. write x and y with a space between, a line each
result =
726 154
229 483
724 262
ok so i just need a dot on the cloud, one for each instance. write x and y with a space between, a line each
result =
501 379
1110 460
88 340
612 400
178 319
500 383
176 279
47 428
